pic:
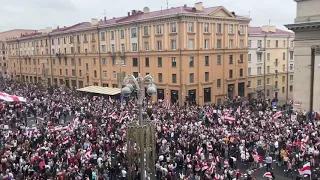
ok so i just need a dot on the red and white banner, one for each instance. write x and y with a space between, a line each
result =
277 115
228 118
11 98
306 169
267 175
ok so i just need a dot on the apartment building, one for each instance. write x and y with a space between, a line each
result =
270 63
195 52
4 36
307 56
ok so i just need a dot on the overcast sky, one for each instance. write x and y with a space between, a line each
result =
38 14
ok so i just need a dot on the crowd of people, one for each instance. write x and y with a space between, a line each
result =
60 133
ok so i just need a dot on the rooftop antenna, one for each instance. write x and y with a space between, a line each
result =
167 4
104 13
269 24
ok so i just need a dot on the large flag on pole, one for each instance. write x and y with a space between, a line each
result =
306 169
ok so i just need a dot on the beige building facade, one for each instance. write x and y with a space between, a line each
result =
4 36
270 63
306 92
191 51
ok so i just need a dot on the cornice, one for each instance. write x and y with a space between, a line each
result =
304 26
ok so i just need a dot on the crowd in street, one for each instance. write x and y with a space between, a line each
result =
209 142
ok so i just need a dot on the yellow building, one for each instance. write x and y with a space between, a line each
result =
270 63
191 51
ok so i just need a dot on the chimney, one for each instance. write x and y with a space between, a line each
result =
185 5
105 19
233 13
58 27
94 22
133 12
199 6
128 13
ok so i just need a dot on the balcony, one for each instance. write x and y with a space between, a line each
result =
59 55
261 50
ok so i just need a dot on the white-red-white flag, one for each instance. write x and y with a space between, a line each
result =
277 115
306 169
267 175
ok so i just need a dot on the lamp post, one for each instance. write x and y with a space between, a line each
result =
142 132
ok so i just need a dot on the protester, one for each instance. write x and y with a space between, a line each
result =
80 136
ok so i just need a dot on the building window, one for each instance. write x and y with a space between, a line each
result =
241 58
65 62
283 89
268 43
218 59
173 62
276 73
268 56
291 67
206 27
80 73
230 59
67 72
159 29
134 47
276 62
241 43
146 46
249 43
277 43
291 55
206 60
190 27
259 70
105 74
249 83
268 69
159 45
230 74
219 28
121 34
173 27
249 57
259 44
284 68
114 75
218 83
135 62
241 72
173 44
160 78
133 32
103 48
268 81
291 44
103 36
104 61
218 43
72 62
231 43
190 44
259 57
284 56
191 77
230 28
259 82
206 76
73 72
112 35
145 31
135 74
191 61
291 88
94 61
284 43
206 44
174 78
241 30
291 77
147 62
159 62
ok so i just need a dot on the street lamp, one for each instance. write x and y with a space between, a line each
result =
141 133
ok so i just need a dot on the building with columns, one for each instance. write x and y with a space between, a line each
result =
306 91
196 53
270 63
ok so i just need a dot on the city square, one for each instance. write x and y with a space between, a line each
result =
191 92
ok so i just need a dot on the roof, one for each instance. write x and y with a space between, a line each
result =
140 16
259 31
100 90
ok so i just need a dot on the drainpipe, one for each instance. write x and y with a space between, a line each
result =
50 58
313 58
100 68
180 63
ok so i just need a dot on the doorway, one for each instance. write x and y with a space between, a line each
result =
160 94
207 95
241 89
192 96
174 96
230 91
